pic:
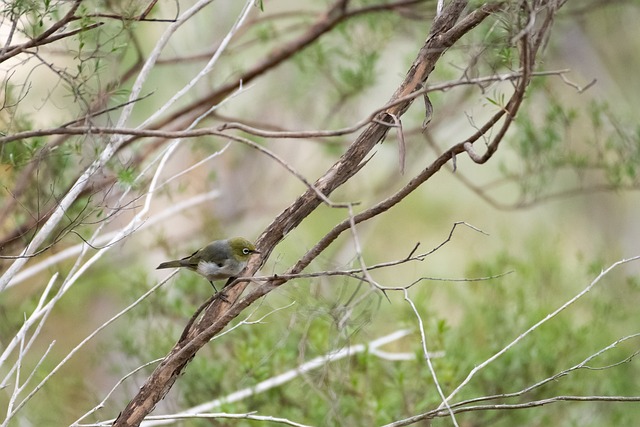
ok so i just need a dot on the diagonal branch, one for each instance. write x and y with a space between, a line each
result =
43 38
220 313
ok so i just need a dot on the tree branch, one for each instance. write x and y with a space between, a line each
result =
220 313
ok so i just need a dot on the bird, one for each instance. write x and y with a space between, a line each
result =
220 259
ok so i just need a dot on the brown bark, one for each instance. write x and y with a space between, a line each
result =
219 313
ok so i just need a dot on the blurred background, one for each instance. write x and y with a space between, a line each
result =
556 205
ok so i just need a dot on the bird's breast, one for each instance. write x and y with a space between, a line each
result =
214 271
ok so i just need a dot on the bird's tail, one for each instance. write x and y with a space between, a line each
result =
169 264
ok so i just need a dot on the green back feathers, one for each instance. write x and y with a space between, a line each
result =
220 251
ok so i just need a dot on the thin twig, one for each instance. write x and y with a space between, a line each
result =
425 352
549 316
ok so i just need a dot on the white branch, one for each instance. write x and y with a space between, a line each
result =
475 370
123 379
22 332
209 66
425 352
81 344
171 419
114 144
107 237
286 376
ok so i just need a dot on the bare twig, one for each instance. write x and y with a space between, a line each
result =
550 316
525 405
100 405
291 374
218 314
425 352
579 88
12 51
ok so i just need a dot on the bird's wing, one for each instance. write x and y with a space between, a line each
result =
208 254
218 257
191 260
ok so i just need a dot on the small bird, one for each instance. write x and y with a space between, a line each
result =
218 260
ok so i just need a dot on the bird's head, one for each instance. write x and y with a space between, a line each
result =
241 248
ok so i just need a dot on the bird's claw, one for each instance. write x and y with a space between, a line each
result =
222 296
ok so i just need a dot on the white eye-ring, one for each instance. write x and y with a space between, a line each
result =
246 251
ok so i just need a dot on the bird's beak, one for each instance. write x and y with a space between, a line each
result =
255 252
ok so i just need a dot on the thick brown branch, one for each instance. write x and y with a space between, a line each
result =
324 24
217 316
184 117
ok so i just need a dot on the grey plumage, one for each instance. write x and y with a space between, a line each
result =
218 260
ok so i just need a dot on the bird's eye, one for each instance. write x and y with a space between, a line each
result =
246 251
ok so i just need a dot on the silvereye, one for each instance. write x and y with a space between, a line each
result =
218 260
